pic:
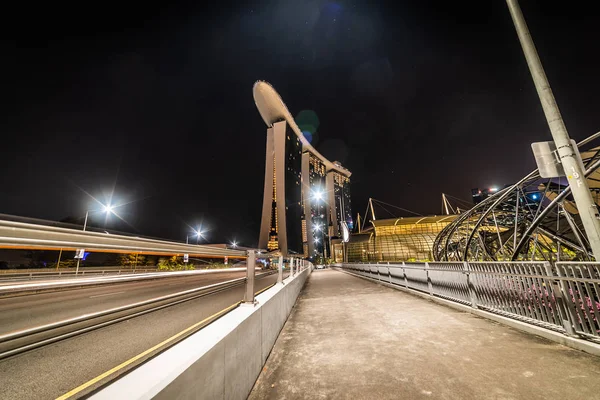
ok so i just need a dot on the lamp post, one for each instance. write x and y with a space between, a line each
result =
106 209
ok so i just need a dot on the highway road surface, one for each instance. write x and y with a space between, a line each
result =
50 371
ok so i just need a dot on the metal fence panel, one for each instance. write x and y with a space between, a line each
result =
521 290
450 281
416 276
581 291
397 275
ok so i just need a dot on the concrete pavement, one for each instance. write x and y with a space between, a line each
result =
348 338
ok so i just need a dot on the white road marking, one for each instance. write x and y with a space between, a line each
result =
106 294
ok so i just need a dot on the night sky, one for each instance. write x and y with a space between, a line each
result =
155 105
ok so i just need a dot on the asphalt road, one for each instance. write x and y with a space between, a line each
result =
22 312
53 370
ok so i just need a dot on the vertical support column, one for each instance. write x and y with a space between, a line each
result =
250 265
404 273
291 266
280 270
470 287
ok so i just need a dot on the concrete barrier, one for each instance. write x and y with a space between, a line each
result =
221 361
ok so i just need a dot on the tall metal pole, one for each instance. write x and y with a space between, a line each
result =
84 226
445 203
372 209
85 221
59 256
568 155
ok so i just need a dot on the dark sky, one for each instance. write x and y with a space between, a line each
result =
155 104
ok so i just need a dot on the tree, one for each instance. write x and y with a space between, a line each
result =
131 260
173 264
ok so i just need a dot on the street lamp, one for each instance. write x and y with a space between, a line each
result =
106 209
197 233
234 244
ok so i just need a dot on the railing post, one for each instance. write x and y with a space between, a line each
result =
250 272
567 315
404 273
291 266
389 273
280 270
470 287
429 285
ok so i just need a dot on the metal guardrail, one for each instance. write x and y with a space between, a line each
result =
16 276
22 235
564 297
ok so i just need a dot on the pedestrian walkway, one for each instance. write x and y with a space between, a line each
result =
348 338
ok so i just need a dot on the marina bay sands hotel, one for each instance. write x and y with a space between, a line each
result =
306 202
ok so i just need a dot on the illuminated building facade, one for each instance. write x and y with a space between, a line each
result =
282 203
339 201
398 239
302 209
315 205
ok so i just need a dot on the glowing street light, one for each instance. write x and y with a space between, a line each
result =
106 209
234 244
198 233
318 195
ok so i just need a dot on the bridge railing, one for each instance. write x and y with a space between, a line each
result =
564 297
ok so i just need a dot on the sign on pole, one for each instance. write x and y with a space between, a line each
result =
79 253
186 258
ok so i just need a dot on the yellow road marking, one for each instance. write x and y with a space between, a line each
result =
133 359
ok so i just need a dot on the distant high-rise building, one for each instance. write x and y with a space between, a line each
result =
339 185
306 196
315 204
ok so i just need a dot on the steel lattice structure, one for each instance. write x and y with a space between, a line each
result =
534 219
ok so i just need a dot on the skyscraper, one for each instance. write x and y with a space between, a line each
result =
306 196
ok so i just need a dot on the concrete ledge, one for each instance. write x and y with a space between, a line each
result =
579 344
221 361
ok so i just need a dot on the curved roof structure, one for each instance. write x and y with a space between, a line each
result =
272 109
429 219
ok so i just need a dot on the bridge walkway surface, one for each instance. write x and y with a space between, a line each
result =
348 338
